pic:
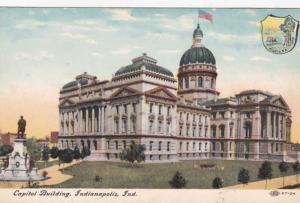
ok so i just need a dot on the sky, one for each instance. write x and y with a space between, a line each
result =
41 49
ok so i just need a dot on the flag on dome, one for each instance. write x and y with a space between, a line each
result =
205 15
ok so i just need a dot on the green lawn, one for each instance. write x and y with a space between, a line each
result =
41 165
120 175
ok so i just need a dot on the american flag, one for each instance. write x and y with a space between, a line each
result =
205 15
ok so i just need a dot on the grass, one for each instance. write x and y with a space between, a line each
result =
121 175
41 165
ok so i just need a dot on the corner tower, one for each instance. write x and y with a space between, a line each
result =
197 72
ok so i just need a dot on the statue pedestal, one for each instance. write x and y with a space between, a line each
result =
18 167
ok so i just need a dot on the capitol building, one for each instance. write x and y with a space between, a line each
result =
176 117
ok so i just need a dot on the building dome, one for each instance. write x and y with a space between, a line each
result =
146 62
198 31
197 55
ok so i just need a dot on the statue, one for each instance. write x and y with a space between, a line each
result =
21 128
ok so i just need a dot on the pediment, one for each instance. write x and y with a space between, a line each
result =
66 102
279 101
162 93
125 92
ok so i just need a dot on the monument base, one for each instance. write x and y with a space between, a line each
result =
18 167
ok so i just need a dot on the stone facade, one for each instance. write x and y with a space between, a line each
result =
142 104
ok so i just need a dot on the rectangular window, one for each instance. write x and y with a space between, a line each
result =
125 108
168 111
117 109
180 130
117 146
134 108
151 108
159 146
168 146
159 109
151 146
151 126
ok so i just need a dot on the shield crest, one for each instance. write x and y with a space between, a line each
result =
279 34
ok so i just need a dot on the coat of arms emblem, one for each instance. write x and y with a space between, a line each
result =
279 34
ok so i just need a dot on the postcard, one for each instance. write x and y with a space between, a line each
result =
149 104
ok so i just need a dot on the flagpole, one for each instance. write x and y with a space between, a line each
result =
198 15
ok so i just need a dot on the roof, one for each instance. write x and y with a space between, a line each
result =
198 31
147 62
197 55
221 101
75 83
253 91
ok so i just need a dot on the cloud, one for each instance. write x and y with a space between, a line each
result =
122 15
255 23
228 58
82 37
233 37
251 12
126 50
42 55
93 25
30 24
97 54
259 59
183 22
170 51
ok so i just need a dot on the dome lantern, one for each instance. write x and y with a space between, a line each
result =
197 36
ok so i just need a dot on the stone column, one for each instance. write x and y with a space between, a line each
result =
93 119
284 127
274 124
60 126
258 124
81 121
99 119
77 121
103 119
268 124
87 120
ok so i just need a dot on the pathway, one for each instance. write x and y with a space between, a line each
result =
56 177
274 183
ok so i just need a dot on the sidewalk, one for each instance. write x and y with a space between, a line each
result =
274 183
54 174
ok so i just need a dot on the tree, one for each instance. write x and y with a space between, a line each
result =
5 149
133 153
178 181
54 152
283 167
66 156
44 174
265 172
217 183
45 155
77 154
296 168
85 152
243 176
34 149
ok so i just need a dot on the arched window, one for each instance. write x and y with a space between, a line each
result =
186 82
222 130
116 145
212 83
213 131
95 144
89 144
200 82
